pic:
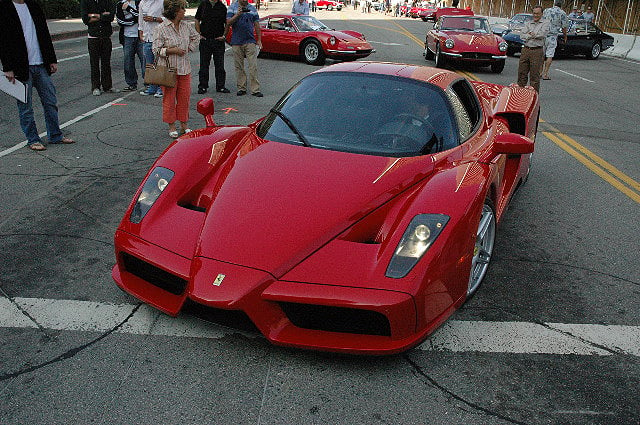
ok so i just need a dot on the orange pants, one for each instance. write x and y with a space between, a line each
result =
175 102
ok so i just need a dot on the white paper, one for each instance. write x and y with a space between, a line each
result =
15 89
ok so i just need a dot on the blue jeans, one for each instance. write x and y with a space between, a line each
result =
148 58
132 47
40 79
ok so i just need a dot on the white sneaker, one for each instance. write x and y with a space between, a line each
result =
158 94
145 93
96 92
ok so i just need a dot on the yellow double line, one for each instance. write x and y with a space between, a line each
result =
593 162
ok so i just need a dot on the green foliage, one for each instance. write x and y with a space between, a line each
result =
57 9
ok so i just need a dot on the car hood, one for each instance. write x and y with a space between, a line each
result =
482 42
278 203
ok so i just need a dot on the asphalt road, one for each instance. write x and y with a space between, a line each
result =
552 336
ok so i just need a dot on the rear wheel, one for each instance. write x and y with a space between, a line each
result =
497 66
441 62
483 247
595 51
312 53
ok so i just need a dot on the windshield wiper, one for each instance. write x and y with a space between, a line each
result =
293 128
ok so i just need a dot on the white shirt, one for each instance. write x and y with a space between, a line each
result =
149 8
30 36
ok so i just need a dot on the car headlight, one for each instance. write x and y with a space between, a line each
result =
419 236
448 43
151 190
503 46
332 40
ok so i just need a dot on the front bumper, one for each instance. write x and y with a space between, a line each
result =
296 314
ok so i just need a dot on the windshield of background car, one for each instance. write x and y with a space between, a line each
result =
364 113
460 23
309 23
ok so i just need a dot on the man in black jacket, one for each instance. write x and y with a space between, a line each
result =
97 15
27 55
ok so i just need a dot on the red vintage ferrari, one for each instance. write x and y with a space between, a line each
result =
465 39
359 234
310 39
329 5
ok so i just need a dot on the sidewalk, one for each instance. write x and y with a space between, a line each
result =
64 29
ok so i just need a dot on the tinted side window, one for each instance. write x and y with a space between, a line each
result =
465 107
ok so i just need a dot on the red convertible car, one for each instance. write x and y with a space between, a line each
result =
466 39
358 234
329 4
306 37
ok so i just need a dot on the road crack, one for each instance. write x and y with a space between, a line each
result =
450 393
72 352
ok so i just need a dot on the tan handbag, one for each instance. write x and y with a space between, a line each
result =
160 75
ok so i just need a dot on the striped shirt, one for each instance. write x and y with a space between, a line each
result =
185 37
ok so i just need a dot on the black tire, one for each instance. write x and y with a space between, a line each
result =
428 54
312 53
596 49
441 62
497 66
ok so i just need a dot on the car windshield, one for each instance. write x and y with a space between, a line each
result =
363 113
309 23
475 24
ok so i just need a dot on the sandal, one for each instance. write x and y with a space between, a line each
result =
63 141
37 147
187 130
173 134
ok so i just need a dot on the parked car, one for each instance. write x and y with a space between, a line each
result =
357 216
329 5
465 39
514 24
306 37
428 13
583 38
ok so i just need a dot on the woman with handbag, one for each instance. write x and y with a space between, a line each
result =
173 40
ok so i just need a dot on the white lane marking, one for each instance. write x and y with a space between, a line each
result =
455 335
84 55
66 124
574 75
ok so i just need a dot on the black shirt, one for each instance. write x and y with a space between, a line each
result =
212 17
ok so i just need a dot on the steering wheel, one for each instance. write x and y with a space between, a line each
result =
406 130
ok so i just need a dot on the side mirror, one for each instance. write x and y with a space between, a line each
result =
512 144
205 108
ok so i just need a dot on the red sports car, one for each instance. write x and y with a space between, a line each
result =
310 39
428 13
329 5
467 39
358 234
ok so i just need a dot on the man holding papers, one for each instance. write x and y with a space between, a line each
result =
27 55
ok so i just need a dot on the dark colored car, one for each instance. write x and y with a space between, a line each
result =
583 38
514 24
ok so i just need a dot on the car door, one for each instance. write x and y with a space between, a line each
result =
278 36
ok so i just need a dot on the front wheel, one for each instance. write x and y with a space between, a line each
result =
497 66
312 53
595 51
428 55
440 60
483 247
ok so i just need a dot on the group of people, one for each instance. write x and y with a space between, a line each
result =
540 37
149 29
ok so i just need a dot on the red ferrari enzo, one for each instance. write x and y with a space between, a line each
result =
466 39
310 39
359 234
